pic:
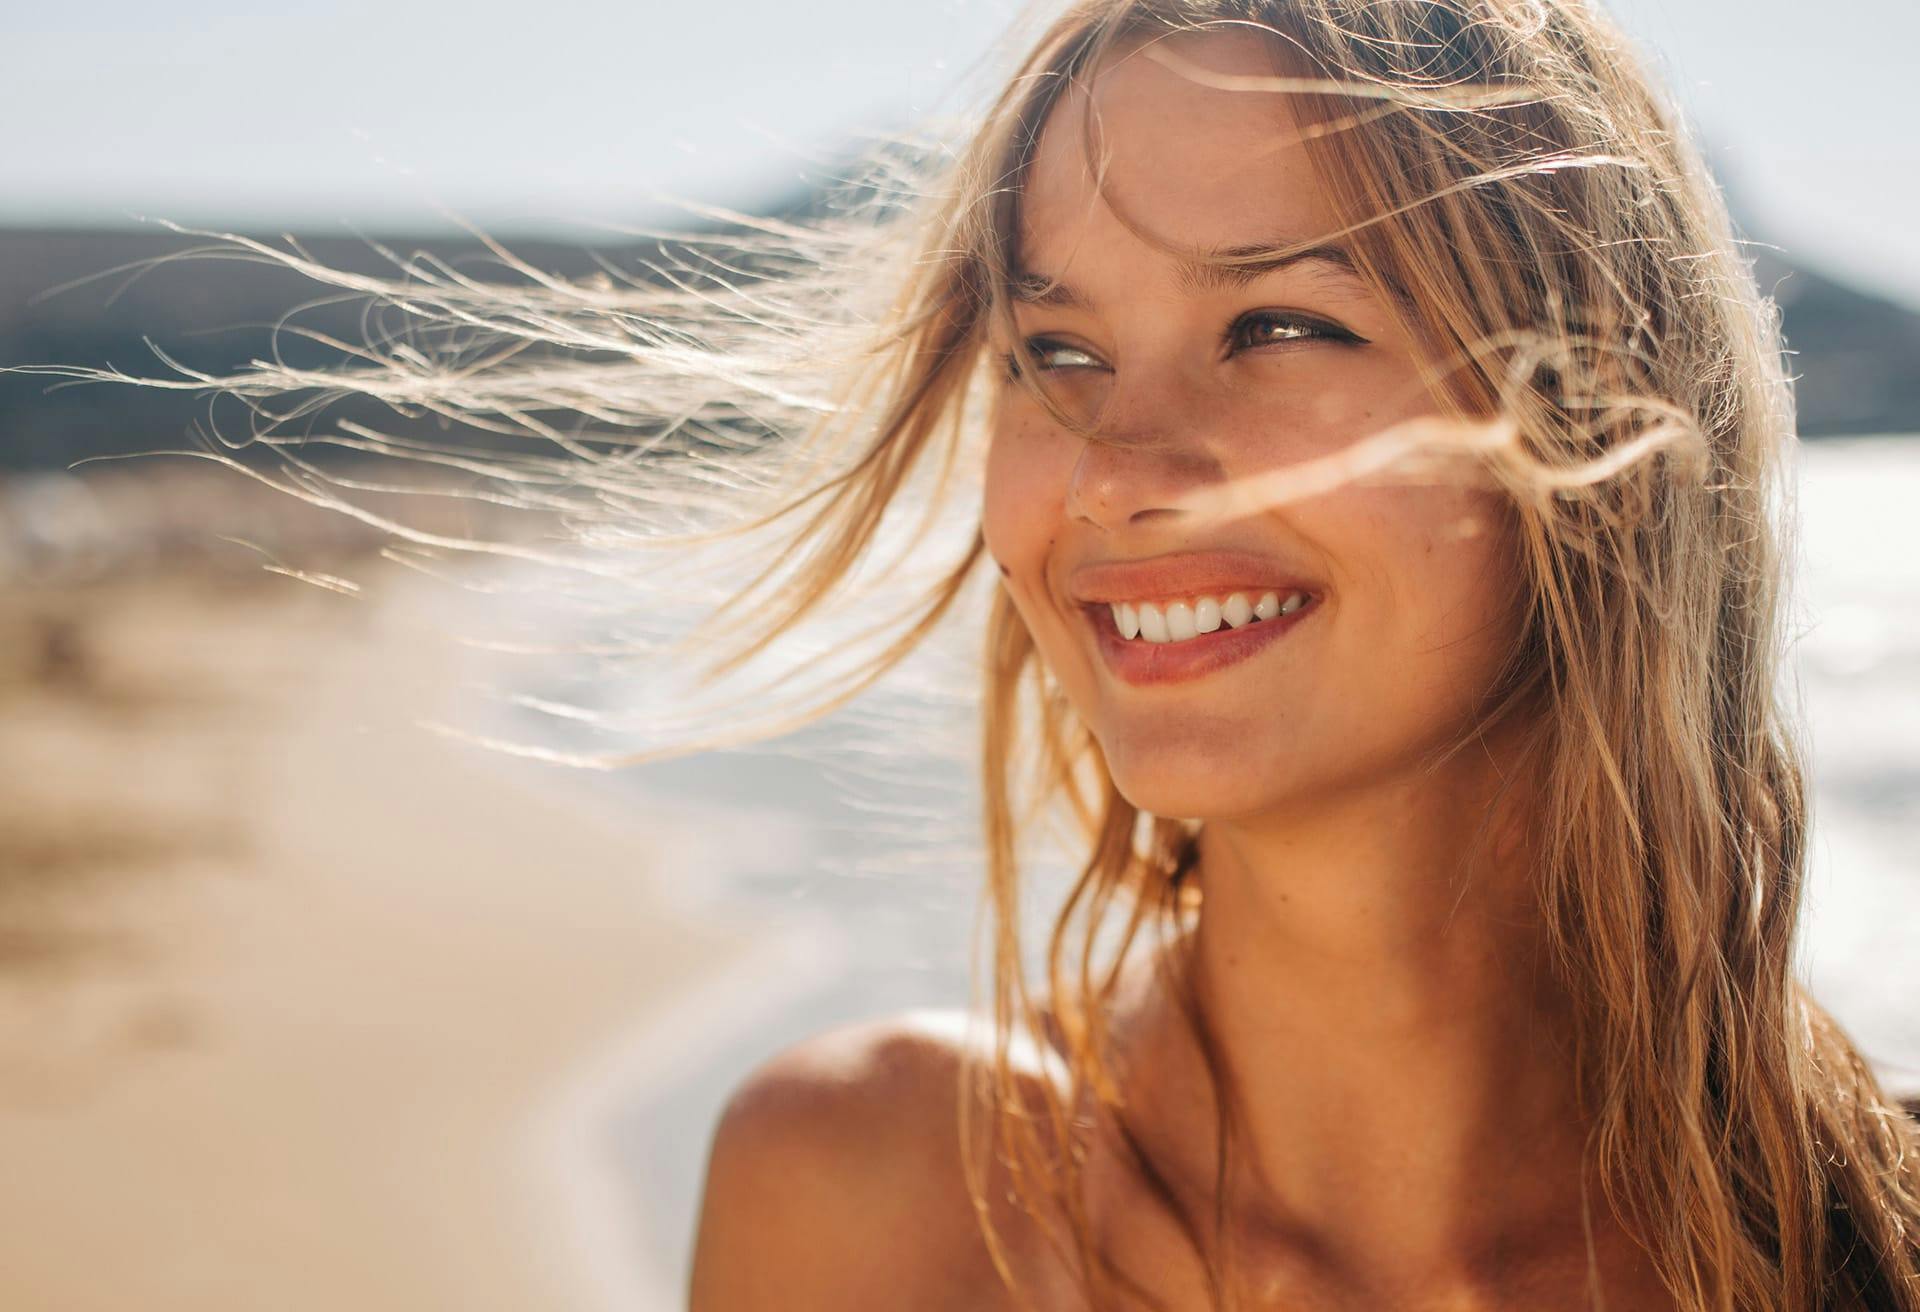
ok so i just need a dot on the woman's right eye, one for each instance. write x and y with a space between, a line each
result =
1054 355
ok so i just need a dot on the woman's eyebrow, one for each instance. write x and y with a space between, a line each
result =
1195 276
1198 276
1038 289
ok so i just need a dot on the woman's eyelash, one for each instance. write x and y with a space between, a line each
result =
1292 328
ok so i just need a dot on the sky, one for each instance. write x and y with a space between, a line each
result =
385 115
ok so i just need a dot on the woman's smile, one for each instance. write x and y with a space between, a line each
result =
1179 616
1185 641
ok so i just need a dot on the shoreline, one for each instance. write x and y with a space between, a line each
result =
594 1203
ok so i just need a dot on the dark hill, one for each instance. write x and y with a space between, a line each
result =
210 314
1855 356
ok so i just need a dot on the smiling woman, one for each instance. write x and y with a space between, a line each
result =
1380 442
1192 376
1382 472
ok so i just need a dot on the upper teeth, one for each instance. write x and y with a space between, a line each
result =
1176 621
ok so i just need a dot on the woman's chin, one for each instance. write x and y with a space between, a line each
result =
1192 794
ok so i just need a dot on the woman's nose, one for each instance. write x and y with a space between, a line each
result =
1138 463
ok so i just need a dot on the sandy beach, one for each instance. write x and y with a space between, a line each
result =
296 997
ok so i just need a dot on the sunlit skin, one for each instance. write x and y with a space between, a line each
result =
1371 961
1376 981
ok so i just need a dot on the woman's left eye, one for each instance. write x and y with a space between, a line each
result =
1279 327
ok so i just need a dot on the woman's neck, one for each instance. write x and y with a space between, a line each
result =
1373 972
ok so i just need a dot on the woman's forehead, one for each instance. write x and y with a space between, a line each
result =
1202 165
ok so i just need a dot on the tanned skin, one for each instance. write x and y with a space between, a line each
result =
1374 976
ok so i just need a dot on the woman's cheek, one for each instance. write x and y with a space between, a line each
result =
1025 496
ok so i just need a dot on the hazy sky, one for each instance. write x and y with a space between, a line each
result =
311 113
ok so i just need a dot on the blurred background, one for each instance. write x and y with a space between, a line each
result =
304 1006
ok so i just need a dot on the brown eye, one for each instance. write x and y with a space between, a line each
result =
1279 327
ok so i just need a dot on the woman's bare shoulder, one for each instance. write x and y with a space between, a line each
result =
835 1177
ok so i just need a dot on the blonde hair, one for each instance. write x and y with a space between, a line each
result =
1513 185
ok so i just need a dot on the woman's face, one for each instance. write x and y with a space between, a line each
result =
1394 599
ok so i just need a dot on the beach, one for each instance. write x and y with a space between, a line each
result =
305 1004
302 1004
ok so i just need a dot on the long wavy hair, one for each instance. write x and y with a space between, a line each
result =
818 387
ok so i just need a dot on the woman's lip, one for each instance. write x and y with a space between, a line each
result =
1185 575
1139 662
